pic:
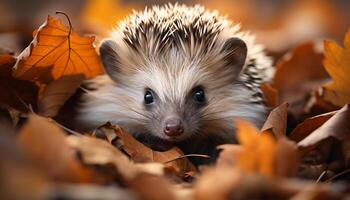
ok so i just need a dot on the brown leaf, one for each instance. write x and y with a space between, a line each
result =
151 187
57 51
270 95
217 183
287 158
277 121
13 91
306 127
337 64
336 127
138 152
99 152
44 144
297 74
19 178
56 93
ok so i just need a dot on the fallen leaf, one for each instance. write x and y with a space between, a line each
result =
228 154
217 183
337 64
57 51
270 95
308 126
138 152
151 187
44 144
287 158
12 91
298 73
337 127
258 153
19 178
99 152
277 121
54 95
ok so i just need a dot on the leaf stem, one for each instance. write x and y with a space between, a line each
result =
70 25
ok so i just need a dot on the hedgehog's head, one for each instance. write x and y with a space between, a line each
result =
177 94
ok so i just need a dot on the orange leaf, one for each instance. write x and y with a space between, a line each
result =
337 64
56 51
258 153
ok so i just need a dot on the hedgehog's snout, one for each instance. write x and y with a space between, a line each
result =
173 126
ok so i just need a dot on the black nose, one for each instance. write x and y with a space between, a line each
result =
173 127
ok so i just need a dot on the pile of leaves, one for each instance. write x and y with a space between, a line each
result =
301 152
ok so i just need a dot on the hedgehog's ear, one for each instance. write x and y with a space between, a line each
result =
110 58
235 51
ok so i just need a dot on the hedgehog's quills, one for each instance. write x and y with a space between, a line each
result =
179 75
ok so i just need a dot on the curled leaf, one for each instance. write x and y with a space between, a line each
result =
57 51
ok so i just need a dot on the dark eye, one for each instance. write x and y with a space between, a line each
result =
148 97
199 95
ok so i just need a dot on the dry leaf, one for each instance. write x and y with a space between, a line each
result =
217 183
57 51
337 127
19 178
13 91
56 93
270 95
44 144
138 152
337 64
287 159
258 153
98 152
306 127
297 74
150 187
277 121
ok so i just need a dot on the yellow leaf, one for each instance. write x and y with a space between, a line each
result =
57 51
337 64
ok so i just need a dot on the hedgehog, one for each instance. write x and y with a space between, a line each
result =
178 75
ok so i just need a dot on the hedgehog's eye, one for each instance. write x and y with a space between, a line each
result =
148 97
199 95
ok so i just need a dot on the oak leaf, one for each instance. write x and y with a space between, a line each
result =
337 64
57 51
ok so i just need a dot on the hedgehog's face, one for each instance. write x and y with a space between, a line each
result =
176 95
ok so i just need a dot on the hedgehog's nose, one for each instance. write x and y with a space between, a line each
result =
173 127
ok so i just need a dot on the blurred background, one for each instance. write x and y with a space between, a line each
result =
279 24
